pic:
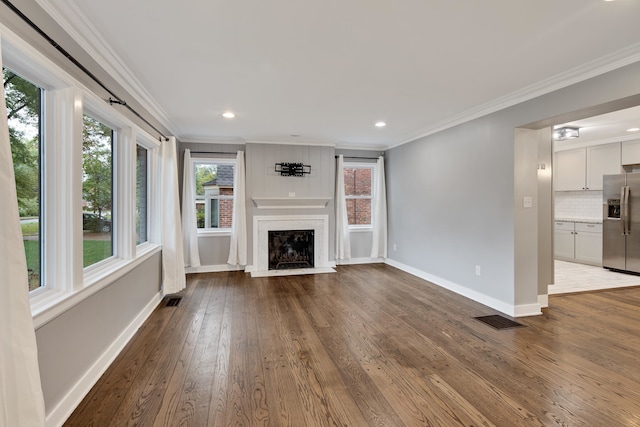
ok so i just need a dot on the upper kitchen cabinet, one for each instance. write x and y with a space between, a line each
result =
602 160
631 152
570 169
582 168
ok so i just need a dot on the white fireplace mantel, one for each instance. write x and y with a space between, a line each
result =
290 202
262 224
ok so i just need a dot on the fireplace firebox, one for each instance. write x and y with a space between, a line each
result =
289 249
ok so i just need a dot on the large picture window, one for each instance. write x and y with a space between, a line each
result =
214 193
24 116
88 209
97 191
358 195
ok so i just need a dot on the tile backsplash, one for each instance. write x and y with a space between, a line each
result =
578 205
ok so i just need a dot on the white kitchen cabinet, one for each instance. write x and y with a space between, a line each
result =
569 169
630 152
564 239
601 160
582 168
579 242
588 243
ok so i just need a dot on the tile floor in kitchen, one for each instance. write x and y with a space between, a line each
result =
574 277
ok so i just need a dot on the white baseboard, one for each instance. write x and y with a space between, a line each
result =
214 268
59 414
501 306
354 261
543 301
525 310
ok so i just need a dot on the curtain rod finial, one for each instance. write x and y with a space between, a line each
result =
116 101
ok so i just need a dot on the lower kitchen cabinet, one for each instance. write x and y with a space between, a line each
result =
578 242
564 241
588 242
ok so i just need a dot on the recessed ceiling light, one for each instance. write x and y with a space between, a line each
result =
380 124
228 115
633 129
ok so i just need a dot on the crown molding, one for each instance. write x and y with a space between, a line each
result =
307 142
77 25
361 147
613 61
213 140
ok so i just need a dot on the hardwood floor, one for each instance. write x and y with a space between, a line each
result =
370 346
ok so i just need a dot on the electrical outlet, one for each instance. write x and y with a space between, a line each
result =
394 247
477 270
292 194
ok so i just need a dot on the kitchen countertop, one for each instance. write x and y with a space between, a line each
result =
583 220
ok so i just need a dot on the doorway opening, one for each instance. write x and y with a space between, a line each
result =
607 144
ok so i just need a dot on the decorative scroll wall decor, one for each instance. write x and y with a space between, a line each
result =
292 169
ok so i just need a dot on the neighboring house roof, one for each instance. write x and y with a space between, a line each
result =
224 177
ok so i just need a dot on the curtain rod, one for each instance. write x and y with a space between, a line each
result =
84 69
214 152
357 157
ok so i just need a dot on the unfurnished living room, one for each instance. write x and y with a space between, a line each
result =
319 213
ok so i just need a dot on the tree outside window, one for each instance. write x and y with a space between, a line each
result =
97 190
214 194
24 116
142 200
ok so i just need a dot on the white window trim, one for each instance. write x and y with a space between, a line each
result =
214 232
65 281
360 228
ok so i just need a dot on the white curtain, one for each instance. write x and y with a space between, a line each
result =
173 274
189 221
238 245
379 217
343 244
21 398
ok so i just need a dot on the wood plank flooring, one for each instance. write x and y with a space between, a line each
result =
370 346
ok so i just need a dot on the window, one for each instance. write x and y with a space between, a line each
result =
24 113
64 177
358 195
214 193
142 201
97 191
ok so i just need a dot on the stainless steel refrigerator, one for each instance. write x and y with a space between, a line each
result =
621 222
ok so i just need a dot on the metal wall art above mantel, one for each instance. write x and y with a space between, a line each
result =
292 169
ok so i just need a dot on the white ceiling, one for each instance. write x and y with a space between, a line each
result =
610 127
327 70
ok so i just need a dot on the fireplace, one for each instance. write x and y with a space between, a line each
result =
290 249
301 242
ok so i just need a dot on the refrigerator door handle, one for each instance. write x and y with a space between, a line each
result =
627 217
625 210
622 224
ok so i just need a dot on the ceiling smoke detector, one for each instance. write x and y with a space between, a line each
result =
560 134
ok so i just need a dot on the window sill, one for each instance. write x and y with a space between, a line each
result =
50 304
214 233
360 229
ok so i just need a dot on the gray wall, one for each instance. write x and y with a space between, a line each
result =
452 195
70 344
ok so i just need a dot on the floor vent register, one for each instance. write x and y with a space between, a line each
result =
173 302
499 322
